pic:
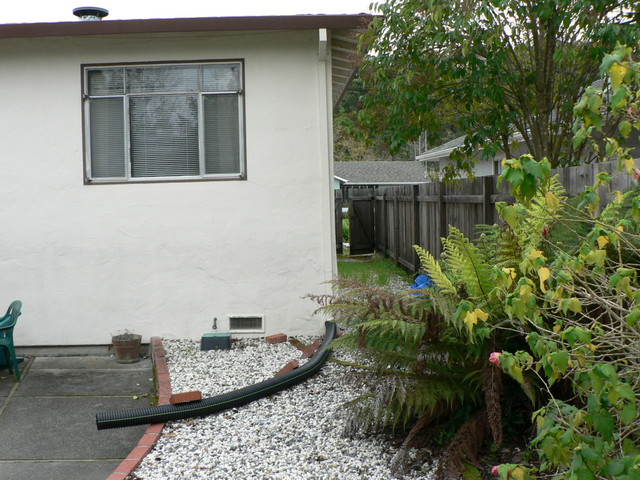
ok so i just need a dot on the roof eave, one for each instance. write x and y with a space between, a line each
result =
424 157
184 25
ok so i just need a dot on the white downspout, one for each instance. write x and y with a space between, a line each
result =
325 108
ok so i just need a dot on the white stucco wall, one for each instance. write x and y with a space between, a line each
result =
163 259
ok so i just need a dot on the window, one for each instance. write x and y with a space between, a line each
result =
432 171
164 122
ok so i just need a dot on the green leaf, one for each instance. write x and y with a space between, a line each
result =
628 414
528 187
604 423
625 129
633 317
614 468
626 391
619 99
609 60
514 176
561 360
588 453
579 137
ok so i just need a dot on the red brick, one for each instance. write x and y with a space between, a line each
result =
161 365
185 397
128 465
155 428
307 352
148 440
139 452
298 344
277 338
159 355
292 365
118 476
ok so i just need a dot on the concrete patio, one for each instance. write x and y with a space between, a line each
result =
48 421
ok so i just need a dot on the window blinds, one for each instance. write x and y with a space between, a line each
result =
155 121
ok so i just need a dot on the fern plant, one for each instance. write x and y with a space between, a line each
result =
426 351
418 369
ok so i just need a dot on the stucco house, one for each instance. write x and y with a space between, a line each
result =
160 174
435 160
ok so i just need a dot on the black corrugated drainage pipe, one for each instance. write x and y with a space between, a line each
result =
206 406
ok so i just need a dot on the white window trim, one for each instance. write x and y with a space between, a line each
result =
241 175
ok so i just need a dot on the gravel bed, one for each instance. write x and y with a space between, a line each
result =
294 434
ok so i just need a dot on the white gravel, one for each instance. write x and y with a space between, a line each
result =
295 434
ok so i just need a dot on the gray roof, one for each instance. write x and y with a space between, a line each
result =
455 143
379 173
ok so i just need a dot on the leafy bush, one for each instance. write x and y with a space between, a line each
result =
584 309
428 350
552 298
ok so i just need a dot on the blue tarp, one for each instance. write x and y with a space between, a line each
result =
422 281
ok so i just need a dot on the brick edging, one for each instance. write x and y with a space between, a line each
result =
153 432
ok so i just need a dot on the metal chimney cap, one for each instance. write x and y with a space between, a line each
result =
90 13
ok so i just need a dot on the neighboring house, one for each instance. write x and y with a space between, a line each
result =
371 174
338 182
158 174
435 160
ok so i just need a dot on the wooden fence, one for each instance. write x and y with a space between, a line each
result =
400 217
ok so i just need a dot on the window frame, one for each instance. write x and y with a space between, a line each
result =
86 126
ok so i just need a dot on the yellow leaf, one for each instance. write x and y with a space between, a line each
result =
525 293
603 240
536 254
552 201
481 314
544 275
516 372
597 257
517 473
511 272
618 196
575 305
557 328
629 164
617 72
470 319
540 422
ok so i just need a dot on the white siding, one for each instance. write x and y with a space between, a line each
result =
164 258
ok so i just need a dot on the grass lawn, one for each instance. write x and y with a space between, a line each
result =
374 269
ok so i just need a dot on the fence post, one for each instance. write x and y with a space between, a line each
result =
442 214
396 226
385 222
416 225
487 207
338 217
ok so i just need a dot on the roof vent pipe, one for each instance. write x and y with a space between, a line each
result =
90 14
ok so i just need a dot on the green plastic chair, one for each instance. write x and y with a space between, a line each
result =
6 336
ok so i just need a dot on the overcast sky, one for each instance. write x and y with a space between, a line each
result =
61 10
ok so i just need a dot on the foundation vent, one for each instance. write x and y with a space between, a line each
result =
249 324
